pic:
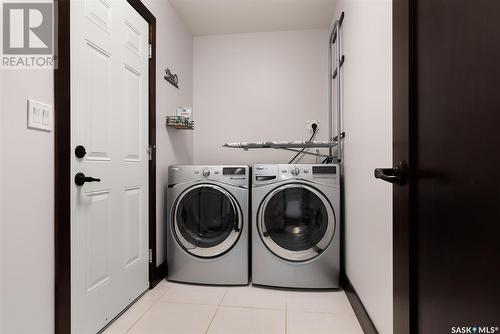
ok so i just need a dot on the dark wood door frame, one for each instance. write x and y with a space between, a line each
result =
62 186
404 123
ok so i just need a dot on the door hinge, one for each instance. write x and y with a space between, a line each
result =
150 151
150 51
150 256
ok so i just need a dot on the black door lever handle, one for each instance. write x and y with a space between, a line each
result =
396 175
80 179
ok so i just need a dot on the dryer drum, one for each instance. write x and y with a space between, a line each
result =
296 222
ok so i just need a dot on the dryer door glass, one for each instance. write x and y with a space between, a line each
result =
297 223
206 220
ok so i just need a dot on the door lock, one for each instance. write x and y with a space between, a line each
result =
80 151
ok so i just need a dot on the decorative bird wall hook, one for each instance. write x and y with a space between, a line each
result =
172 78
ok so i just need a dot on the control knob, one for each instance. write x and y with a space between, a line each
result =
295 171
206 172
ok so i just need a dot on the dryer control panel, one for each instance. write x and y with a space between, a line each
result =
273 173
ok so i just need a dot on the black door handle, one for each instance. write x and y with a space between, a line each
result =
398 175
80 179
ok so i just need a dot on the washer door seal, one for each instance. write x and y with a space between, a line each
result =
296 222
207 220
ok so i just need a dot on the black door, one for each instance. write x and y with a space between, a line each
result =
207 220
446 127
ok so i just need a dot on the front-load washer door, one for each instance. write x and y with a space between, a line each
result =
207 220
296 222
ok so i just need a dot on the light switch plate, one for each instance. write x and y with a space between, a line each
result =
39 116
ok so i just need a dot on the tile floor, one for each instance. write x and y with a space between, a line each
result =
172 308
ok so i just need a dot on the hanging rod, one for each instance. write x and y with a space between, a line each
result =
338 24
338 78
335 40
334 76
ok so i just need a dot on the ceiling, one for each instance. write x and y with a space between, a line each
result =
211 17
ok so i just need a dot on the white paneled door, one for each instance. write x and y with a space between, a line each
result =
109 120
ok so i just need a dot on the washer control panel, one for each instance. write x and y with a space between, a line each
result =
219 171
295 171
237 175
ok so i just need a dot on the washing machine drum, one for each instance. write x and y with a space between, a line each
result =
297 222
207 220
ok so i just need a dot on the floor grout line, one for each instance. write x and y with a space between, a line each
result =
153 303
216 310
139 318
255 307
325 312
286 314
186 303
277 309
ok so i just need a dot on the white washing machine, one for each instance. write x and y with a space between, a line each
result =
296 226
207 228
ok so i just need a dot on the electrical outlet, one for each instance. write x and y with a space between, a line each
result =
309 125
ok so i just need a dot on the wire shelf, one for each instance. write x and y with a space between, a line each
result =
179 122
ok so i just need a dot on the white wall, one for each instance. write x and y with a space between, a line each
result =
27 177
27 216
367 39
257 86
1 202
174 50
